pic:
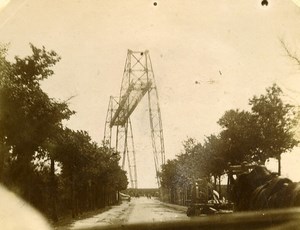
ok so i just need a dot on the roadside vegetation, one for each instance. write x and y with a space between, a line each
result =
59 171
265 131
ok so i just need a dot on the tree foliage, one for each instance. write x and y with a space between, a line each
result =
28 117
56 169
238 135
265 132
275 122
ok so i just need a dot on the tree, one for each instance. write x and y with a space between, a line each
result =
292 55
238 136
192 161
73 152
169 178
91 174
275 122
28 117
4 148
265 132
215 158
39 158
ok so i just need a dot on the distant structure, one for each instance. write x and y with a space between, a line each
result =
138 80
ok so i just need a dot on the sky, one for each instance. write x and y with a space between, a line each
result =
234 44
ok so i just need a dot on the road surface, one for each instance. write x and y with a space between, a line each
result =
137 210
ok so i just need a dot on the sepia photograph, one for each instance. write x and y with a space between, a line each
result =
149 114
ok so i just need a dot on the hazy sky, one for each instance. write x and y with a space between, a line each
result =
188 41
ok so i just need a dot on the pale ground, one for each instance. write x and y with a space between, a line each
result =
137 210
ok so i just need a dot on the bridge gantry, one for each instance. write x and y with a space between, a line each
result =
138 80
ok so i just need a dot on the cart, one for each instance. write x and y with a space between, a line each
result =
206 201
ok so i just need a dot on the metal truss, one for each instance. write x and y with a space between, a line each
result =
138 79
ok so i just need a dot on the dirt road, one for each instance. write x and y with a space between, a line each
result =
137 210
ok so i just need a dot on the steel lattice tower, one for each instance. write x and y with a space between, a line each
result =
138 80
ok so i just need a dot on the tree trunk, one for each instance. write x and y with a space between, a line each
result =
73 197
117 197
215 182
4 155
23 174
53 192
102 197
279 164
220 189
